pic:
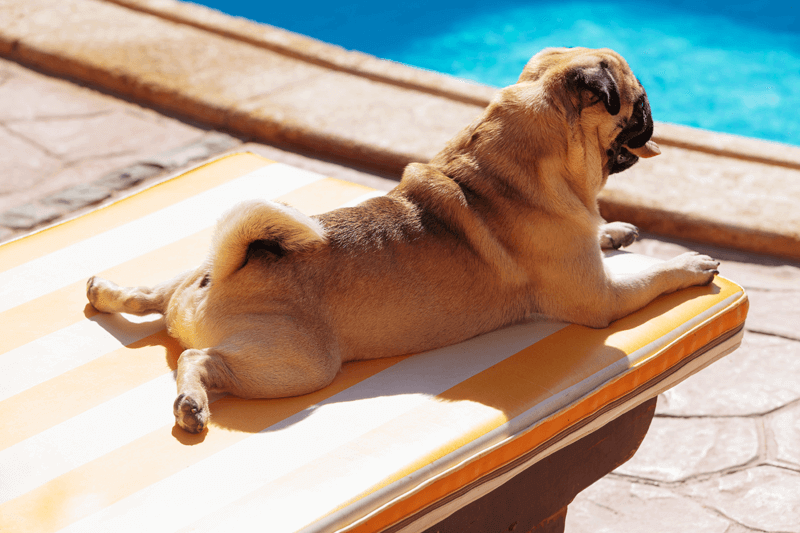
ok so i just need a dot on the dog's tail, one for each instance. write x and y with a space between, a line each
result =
264 225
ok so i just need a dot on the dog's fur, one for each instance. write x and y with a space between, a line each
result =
501 224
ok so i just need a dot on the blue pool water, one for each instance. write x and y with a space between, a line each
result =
726 66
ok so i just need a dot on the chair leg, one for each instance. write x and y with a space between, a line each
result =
552 524
537 499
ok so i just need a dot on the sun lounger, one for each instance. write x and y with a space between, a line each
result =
498 433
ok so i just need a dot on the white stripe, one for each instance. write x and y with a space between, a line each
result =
92 434
277 451
50 356
83 259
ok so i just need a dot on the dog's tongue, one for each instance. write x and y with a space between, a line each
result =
650 149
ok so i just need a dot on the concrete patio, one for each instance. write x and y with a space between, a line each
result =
101 98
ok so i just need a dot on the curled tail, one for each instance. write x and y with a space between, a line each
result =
274 226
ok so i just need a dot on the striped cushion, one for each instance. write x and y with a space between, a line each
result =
87 436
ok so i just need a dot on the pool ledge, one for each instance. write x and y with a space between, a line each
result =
278 87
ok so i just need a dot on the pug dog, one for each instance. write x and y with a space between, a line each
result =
502 224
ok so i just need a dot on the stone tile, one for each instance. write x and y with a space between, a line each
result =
5 73
775 312
677 448
78 196
129 176
179 63
6 234
24 165
17 17
203 148
763 497
783 428
772 284
67 176
364 112
115 133
769 277
28 95
762 375
662 182
619 506
751 271
29 216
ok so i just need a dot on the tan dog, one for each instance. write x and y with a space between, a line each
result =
501 224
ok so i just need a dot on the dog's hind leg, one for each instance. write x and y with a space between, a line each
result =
289 361
198 371
108 297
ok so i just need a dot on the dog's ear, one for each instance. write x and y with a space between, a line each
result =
599 81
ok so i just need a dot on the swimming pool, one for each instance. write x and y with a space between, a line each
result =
728 66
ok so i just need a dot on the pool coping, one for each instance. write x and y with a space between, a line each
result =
361 64
389 157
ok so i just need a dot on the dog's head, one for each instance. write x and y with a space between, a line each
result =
597 90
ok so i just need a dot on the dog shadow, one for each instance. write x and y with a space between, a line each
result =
135 332
366 381
541 373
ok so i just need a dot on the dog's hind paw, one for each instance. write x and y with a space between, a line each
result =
102 294
190 414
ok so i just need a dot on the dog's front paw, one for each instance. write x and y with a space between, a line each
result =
102 294
699 269
191 414
615 235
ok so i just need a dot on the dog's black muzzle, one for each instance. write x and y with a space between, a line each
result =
636 133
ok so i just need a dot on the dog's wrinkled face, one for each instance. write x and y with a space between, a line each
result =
635 135
581 79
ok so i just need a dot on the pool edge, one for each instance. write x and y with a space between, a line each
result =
365 65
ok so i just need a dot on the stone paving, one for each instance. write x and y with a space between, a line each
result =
68 148
723 452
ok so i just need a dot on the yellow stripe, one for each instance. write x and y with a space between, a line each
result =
148 201
156 456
